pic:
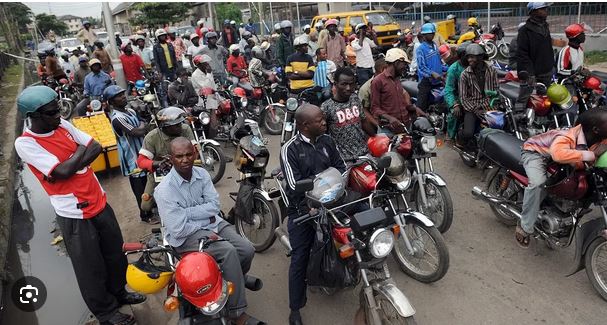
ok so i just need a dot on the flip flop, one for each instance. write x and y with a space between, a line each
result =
523 238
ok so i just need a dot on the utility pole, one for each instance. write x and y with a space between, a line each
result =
488 15
211 16
109 27
579 12
298 16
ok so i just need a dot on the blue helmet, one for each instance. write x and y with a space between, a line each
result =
495 119
139 84
428 28
112 91
32 98
537 5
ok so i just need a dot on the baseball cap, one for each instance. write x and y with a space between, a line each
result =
396 54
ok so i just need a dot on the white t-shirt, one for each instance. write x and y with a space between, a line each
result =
202 80
194 50
364 55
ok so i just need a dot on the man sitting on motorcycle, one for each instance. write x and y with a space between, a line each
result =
478 78
94 84
181 91
452 91
430 68
571 57
300 67
308 153
189 207
154 154
345 117
203 78
236 65
257 73
582 143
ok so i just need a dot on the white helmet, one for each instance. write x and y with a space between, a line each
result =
117 34
160 32
200 22
233 22
286 24
300 41
234 47
306 27
277 26
264 45
318 25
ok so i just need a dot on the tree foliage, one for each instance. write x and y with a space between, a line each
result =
228 11
50 22
21 13
155 14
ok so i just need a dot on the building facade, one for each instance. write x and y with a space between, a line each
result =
74 23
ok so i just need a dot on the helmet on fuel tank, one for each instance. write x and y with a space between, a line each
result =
423 126
139 84
495 119
329 187
558 94
601 162
378 145
170 116
592 82
199 279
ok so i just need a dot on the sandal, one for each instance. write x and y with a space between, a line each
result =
523 238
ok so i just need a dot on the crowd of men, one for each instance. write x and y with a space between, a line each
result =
359 94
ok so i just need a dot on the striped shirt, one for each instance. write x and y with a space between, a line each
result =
128 146
569 60
322 72
186 206
472 98
300 62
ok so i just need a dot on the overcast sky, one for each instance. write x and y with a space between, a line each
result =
60 8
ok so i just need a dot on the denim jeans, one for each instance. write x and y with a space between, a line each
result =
535 167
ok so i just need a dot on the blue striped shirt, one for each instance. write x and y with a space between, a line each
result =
187 206
320 75
428 61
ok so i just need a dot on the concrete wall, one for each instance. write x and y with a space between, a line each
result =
594 42
329 7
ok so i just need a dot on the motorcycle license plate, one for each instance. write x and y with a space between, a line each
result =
288 126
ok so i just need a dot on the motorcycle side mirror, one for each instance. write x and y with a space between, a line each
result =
523 75
412 23
304 185
384 162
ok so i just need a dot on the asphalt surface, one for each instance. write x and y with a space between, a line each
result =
490 280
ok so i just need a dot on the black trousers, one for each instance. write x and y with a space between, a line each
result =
301 238
138 187
363 74
525 90
423 94
95 248
470 126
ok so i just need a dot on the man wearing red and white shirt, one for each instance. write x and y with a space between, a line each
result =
59 156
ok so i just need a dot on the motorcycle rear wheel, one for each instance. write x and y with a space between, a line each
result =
265 220
440 213
494 188
595 269
65 109
408 263
217 169
272 120
504 50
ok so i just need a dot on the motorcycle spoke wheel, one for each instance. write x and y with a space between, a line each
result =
214 162
429 260
504 51
440 206
265 220
510 193
272 120
596 266
65 109
389 315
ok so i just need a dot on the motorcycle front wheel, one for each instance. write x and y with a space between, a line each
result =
429 260
387 313
440 205
504 50
265 219
272 119
214 161
491 50
66 108
596 265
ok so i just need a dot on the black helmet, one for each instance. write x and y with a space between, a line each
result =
461 49
422 125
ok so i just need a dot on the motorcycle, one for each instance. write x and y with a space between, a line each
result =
362 243
570 195
496 35
417 146
476 35
586 90
212 157
254 214
437 110
289 127
67 94
265 105
144 98
183 286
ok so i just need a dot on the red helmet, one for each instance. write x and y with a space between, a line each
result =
573 30
199 278
240 92
64 81
378 145
592 82
445 51
362 179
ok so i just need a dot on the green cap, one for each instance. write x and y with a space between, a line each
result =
602 161
32 98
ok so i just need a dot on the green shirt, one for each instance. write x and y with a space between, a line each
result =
451 85
156 144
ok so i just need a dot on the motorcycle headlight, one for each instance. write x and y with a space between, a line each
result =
243 102
381 243
141 91
149 98
204 118
260 162
292 104
530 115
402 181
428 143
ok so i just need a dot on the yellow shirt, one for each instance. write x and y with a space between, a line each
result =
167 54
300 62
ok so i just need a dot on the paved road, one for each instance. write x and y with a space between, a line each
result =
490 280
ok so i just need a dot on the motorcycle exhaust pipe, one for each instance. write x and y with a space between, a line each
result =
252 283
284 239
479 194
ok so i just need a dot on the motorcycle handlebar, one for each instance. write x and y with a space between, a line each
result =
127 247
305 218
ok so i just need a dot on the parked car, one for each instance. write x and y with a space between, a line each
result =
184 29
70 44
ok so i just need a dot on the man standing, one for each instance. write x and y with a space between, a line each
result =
363 46
59 156
334 43
164 54
284 47
218 55
345 117
178 45
104 57
388 98
250 27
300 67
87 36
94 85
132 64
308 153
228 34
194 49
129 131
146 54
452 90
430 68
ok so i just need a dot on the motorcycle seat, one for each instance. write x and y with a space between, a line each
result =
505 149
510 92
410 87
